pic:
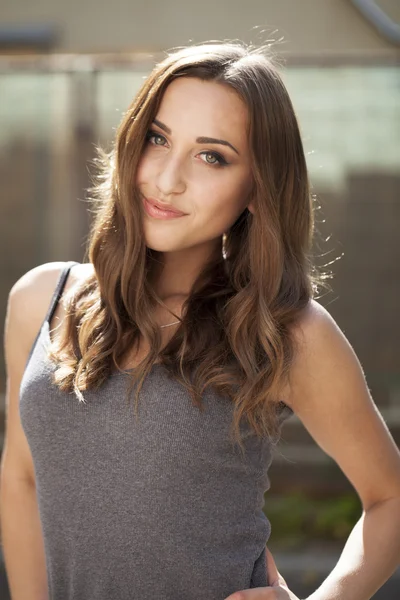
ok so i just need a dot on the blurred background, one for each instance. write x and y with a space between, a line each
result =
68 72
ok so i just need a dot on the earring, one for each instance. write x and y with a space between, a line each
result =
224 245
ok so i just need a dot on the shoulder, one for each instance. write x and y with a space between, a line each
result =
30 296
36 286
321 351
323 360
314 329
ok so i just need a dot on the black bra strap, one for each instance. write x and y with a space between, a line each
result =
59 289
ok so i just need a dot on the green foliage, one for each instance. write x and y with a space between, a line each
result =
297 519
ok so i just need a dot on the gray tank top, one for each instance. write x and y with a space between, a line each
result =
161 507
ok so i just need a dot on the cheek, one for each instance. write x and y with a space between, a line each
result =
143 172
220 208
227 196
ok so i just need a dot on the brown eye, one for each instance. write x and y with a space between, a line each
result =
159 140
156 138
213 159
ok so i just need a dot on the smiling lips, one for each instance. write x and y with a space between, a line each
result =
159 211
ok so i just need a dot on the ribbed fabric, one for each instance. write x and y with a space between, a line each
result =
163 506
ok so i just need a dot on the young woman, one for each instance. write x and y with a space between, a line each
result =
147 387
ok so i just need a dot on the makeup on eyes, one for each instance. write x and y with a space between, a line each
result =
221 161
199 140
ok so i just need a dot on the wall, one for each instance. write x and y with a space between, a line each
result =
307 26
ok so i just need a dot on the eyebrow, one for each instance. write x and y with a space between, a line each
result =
199 140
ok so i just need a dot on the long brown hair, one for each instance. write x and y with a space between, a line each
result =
246 299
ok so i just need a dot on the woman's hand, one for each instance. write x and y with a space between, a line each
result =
277 590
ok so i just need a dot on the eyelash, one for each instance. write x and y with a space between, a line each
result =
221 160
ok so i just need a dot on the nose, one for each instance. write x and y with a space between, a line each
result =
170 177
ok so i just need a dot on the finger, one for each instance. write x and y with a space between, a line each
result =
263 593
274 577
272 570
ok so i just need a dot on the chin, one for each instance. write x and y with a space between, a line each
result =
162 246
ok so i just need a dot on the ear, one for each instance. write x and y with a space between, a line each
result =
250 207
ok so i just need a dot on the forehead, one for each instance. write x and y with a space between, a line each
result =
204 108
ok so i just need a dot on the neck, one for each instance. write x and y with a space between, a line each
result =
175 272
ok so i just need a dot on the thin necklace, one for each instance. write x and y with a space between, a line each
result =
169 324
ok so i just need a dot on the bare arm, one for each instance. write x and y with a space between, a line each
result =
329 394
22 540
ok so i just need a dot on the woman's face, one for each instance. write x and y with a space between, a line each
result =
196 160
